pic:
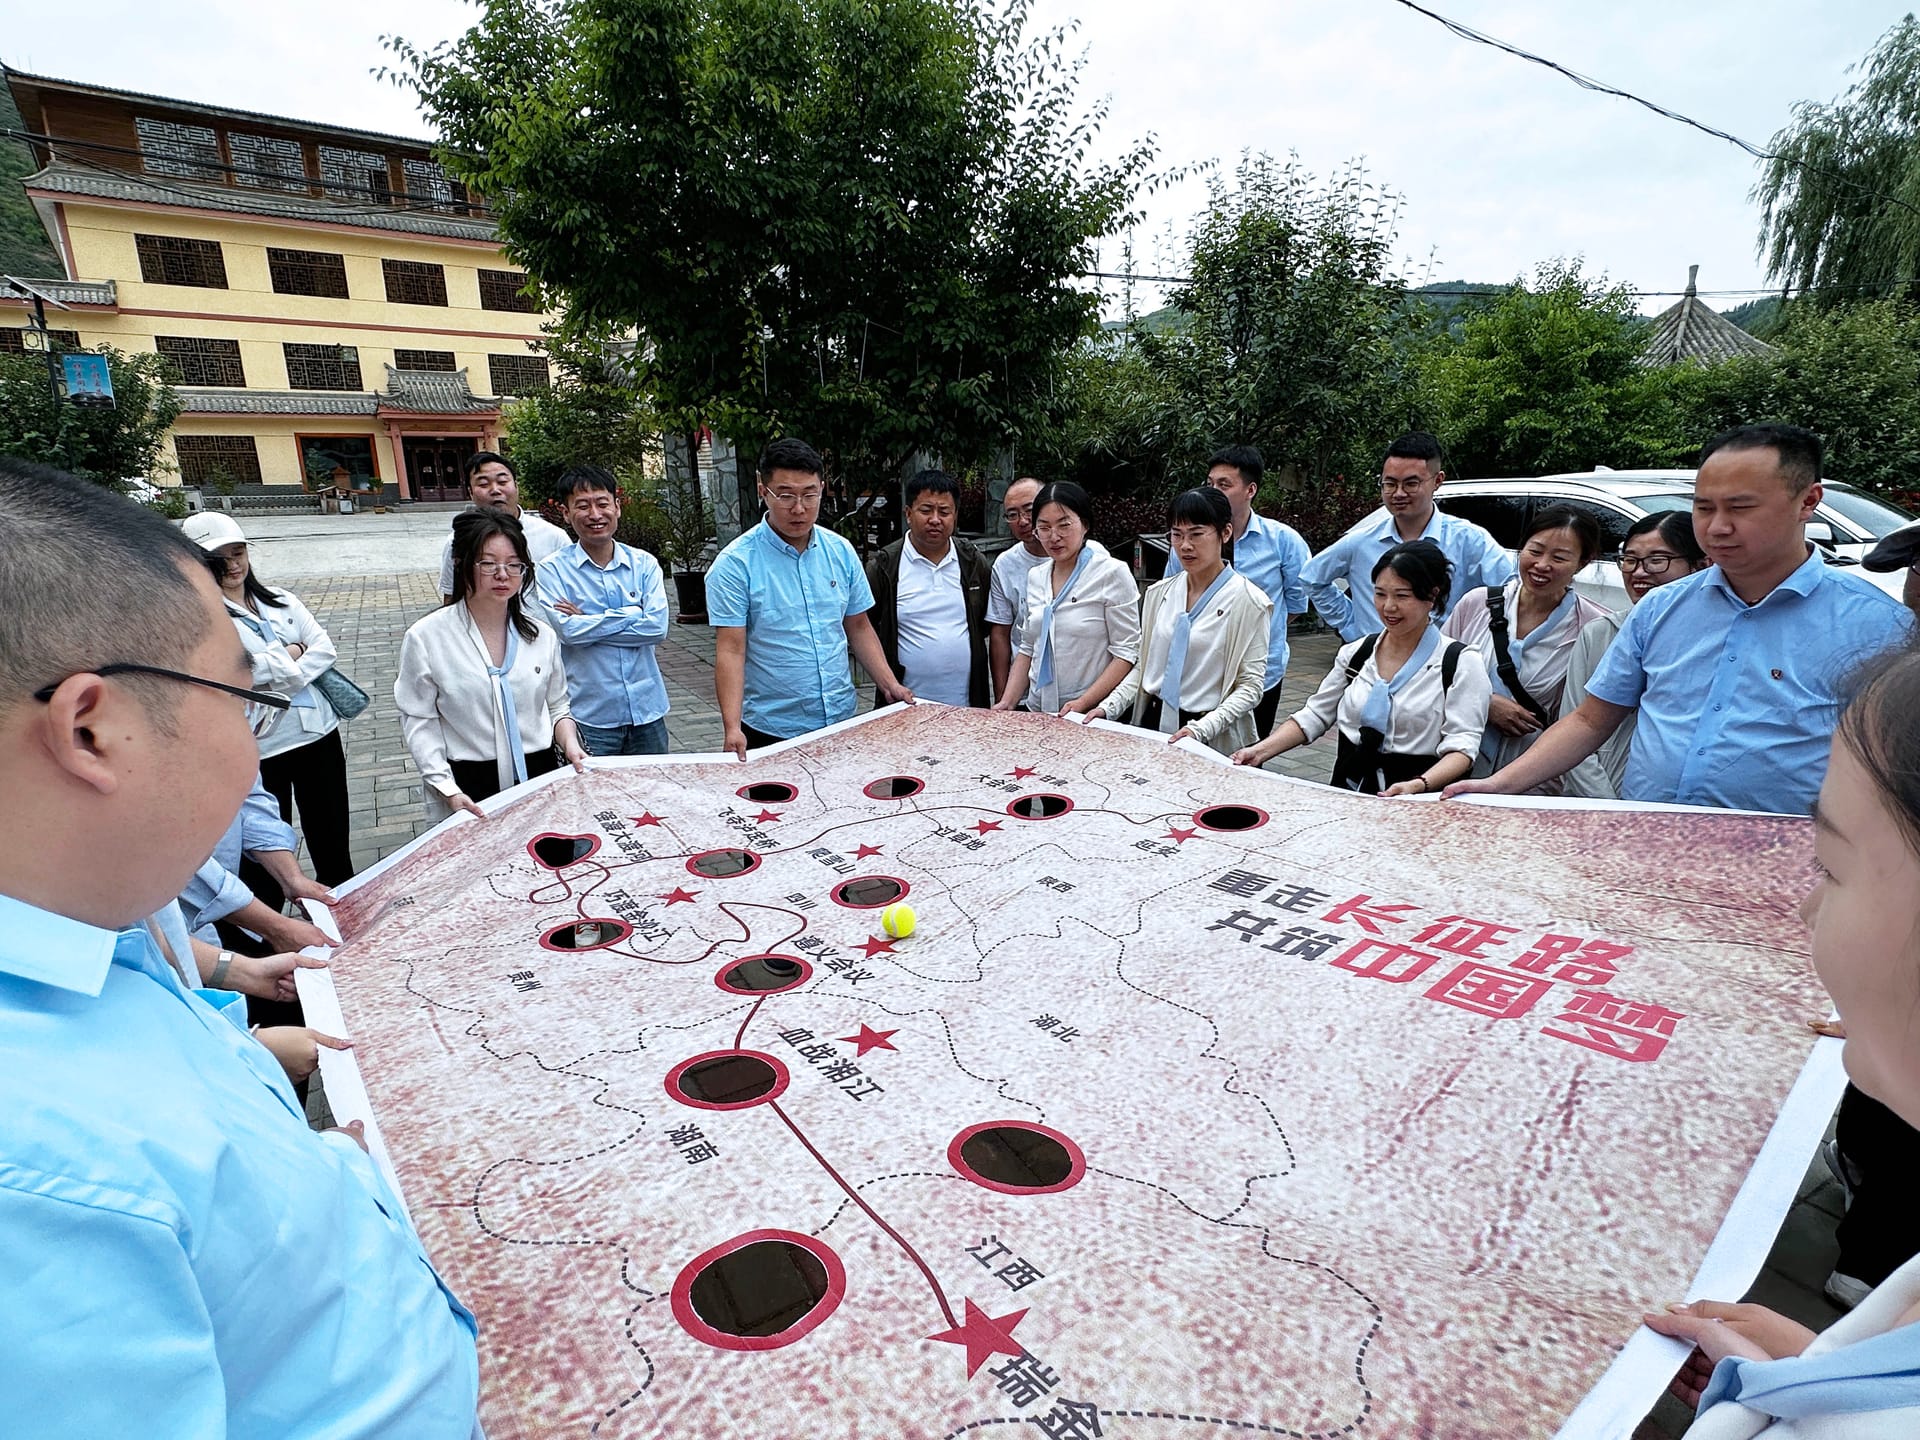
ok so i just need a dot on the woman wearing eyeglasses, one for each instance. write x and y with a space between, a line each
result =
302 761
1203 636
481 693
1659 549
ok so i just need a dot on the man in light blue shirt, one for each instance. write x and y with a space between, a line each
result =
1737 671
789 601
1408 477
608 601
179 1254
1270 554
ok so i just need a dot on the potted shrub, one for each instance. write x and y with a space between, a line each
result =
676 523
223 484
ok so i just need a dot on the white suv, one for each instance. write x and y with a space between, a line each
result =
1849 522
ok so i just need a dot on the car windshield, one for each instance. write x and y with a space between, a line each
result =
1877 517
1658 504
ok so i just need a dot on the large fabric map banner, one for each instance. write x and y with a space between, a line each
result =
1200 1102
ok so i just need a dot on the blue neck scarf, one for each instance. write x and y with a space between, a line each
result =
1517 647
1043 643
1169 691
503 687
1378 712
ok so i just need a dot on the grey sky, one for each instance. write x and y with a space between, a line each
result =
1502 163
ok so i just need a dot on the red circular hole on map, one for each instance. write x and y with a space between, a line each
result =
594 932
758 1291
769 792
870 892
556 852
727 1080
763 974
1231 817
894 787
1039 807
723 864
1017 1157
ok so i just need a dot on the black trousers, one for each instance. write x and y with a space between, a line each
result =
1264 712
1369 769
314 778
1881 1229
480 779
760 739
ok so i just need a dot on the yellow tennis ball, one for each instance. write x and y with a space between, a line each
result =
897 921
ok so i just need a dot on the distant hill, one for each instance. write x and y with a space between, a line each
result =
1759 318
1157 322
1446 304
24 248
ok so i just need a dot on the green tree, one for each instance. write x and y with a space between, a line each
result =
105 443
861 221
24 247
1841 199
1545 380
1851 374
1292 315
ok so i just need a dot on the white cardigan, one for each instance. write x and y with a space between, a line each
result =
1098 622
1226 672
289 624
448 708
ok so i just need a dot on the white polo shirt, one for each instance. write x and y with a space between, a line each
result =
936 660
1007 598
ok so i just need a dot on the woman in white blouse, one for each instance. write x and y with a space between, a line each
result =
1408 705
302 762
1525 633
1203 636
482 696
1082 633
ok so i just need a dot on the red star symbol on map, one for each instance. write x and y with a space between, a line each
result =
1182 836
1021 772
870 1040
865 850
679 897
766 815
873 945
985 825
984 1335
647 819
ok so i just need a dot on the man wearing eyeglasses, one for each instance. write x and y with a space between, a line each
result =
1408 478
179 1252
788 601
1007 594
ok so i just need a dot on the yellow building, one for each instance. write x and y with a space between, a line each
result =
330 297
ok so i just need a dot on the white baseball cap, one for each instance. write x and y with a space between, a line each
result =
213 529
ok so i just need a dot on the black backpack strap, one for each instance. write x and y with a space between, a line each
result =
1450 664
1362 655
1503 657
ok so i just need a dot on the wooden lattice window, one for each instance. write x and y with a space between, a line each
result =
176 260
202 361
517 374
322 367
414 282
267 162
203 458
190 152
500 290
430 186
13 342
355 174
308 272
438 360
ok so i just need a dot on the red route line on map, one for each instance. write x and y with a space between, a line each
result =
912 1254
741 1034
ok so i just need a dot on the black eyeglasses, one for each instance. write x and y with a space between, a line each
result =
1655 564
264 707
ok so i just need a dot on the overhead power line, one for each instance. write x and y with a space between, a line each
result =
1587 82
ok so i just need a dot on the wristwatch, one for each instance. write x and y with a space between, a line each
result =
218 980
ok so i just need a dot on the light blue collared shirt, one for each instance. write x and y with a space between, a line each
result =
610 651
1738 703
794 606
1477 560
216 890
1273 557
179 1253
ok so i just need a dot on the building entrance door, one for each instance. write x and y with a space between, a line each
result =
436 467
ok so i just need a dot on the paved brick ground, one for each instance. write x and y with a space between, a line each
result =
368 614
